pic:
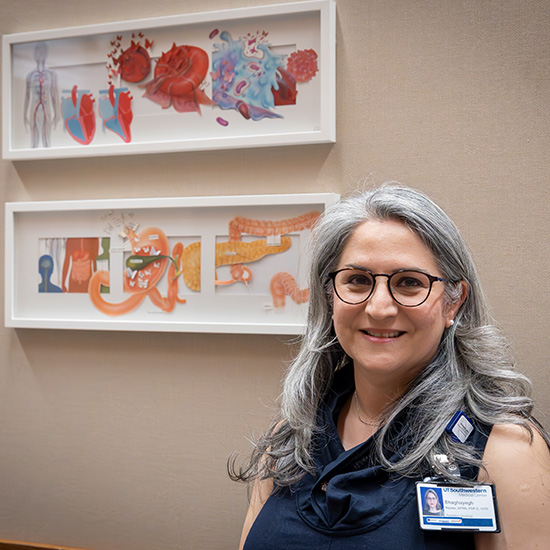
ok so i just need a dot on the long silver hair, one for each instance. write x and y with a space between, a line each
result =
472 370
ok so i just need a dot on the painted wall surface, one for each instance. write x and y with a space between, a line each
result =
119 441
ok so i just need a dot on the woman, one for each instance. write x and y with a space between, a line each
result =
432 506
398 340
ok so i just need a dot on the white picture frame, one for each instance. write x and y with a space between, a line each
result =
75 92
72 264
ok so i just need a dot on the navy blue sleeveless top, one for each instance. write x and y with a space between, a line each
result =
351 503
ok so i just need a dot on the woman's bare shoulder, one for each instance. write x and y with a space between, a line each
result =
517 462
512 444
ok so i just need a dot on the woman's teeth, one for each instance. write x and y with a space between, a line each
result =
383 334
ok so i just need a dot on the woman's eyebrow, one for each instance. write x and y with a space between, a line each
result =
363 268
355 266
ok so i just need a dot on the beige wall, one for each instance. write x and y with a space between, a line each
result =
118 441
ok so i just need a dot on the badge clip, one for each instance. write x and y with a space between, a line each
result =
451 467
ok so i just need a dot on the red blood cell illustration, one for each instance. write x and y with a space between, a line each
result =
302 64
242 107
178 75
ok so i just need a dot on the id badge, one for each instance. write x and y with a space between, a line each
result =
445 506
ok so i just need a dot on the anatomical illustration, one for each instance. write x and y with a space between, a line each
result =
282 284
243 78
45 268
41 110
302 65
77 107
151 259
132 63
66 265
79 263
164 84
235 264
248 76
178 79
115 109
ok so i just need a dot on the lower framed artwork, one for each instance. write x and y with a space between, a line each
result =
233 264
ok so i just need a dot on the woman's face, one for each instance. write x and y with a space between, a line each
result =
390 344
431 500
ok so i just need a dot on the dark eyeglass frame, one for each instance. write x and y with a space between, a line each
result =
432 278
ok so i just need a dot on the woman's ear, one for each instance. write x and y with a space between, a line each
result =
452 308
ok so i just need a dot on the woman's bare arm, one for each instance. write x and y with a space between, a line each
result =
520 470
260 493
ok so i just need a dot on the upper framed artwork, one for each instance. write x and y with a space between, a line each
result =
235 264
246 77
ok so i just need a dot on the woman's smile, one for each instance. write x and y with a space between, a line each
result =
382 335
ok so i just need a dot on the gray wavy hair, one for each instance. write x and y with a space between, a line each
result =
473 369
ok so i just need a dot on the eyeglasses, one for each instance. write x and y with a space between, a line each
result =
409 288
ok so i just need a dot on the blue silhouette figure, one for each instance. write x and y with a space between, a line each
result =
45 268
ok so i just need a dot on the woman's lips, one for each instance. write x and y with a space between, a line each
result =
383 334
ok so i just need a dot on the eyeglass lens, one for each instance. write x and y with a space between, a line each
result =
408 288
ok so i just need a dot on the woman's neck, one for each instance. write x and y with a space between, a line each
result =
375 400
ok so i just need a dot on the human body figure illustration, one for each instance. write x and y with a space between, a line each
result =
45 268
41 110
79 263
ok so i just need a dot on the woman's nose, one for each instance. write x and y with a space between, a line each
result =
381 304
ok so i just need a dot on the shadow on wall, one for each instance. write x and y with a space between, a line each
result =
197 173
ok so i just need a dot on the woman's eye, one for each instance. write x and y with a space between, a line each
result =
358 279
409 282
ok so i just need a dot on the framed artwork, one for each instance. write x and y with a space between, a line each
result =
235 264
246 77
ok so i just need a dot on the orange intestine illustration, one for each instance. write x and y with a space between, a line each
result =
240 225
151 257
282 284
